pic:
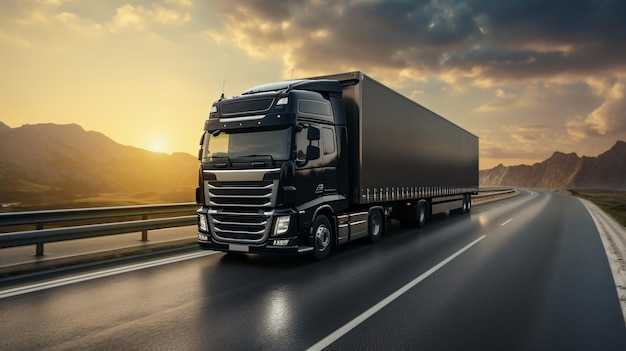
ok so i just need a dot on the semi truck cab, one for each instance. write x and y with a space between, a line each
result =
272 160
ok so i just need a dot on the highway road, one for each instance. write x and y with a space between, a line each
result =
523 273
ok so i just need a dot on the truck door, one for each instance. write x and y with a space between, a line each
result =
309 172
329 160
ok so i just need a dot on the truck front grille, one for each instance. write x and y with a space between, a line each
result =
241 195
241 211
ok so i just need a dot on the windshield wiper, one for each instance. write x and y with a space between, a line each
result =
260 155
223 155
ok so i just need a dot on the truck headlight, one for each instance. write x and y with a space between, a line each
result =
202 223
282 225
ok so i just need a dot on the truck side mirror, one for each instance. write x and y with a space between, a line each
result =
312 152
313 133
201 144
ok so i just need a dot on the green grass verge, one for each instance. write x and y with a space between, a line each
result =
612 202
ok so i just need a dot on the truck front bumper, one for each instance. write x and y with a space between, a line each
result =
278 246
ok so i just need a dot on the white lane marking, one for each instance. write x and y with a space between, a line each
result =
613 237
380 305
100 274
506 222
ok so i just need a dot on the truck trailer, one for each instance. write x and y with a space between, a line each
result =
301 166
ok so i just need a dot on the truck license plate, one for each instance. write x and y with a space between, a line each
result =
239 248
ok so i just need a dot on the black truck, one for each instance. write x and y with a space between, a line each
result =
304 165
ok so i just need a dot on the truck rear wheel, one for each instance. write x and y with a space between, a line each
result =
375 226
322 237
467 203
422 213
415 217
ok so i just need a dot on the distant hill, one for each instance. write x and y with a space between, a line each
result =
59 163
565 171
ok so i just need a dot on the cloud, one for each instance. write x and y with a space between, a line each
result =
32 21
182 3
496 149
79 25
608 119
315 35
141 18
527 133
484 42
168 16
128 16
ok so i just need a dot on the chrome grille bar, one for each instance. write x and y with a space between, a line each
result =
241 210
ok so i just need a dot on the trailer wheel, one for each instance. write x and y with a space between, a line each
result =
421 213
467 203
375 226
322 237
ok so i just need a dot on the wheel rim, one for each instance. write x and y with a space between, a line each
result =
322 237
375 223
422 213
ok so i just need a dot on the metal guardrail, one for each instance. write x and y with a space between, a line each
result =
40 235
492 193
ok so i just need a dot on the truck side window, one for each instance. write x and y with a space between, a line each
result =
301 144
328 137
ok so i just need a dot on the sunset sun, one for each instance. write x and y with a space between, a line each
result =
157 145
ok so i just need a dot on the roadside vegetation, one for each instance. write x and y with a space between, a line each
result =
612 202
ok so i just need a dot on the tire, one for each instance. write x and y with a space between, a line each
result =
422 213
467 203
375 226
322 237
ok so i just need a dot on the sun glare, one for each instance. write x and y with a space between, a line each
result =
157 145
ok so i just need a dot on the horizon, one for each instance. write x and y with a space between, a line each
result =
193 155
520 76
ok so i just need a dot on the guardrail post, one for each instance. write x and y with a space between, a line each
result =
39 246
144 233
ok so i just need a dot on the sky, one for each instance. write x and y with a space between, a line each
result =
527 77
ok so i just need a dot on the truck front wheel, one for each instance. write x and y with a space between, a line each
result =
375 226
322 237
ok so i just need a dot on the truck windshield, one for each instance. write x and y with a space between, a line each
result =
274 144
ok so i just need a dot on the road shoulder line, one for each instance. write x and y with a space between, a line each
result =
613 236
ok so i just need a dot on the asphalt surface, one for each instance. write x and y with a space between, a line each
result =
525 273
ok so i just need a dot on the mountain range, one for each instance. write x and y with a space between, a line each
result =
565 171
59 163
64 163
